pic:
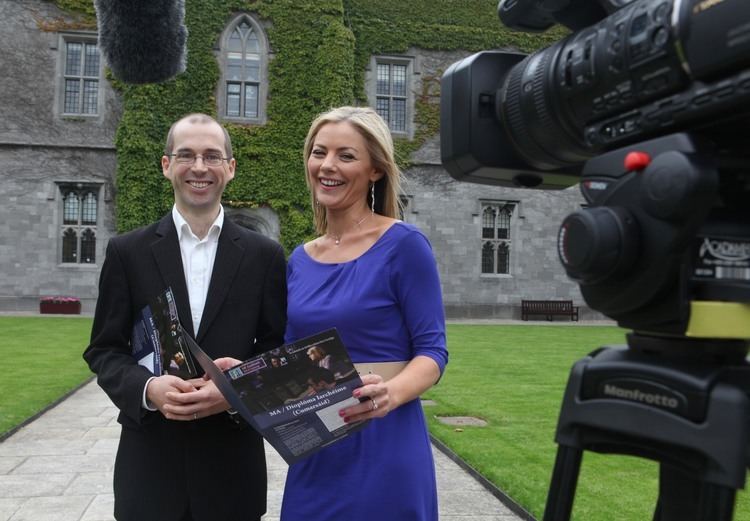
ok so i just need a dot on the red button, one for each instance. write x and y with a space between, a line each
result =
637 161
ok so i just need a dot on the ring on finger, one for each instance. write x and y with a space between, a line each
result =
195 415
374 404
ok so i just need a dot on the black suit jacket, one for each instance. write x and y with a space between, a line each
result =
213 465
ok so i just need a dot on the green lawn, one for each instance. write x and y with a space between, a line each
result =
514 377
511 376
41 362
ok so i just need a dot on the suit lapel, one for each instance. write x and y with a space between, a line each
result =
228 257
166 251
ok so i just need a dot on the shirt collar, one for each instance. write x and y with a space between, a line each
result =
182 225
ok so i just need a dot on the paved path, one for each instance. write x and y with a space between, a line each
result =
59 468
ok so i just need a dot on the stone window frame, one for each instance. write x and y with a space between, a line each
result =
262 220
221 55
407 207
80 227
371 83
495 238
85 38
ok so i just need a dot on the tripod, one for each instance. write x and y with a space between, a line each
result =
684 403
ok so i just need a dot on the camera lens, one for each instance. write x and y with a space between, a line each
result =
598 243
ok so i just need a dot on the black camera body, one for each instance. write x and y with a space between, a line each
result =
648 68
666 81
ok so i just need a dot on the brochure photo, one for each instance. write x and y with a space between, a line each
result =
292 394
158 341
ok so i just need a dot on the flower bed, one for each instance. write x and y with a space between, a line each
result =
60 305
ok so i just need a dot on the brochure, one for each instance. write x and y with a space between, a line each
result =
291 395
157 340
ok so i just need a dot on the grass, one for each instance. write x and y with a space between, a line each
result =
41 362
511 376
514 377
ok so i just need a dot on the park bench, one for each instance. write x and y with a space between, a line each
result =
548 308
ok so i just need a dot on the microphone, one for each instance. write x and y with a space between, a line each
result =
143 41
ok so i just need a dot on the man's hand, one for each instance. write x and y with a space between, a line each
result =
203 399
158 389
188 400
226 363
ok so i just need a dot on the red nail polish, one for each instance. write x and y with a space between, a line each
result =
342 413
346 420
356 393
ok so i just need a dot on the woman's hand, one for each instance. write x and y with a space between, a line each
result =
420 374
375 400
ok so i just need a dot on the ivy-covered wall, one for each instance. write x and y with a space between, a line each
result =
320 51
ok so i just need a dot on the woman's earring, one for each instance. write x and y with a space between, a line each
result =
372 197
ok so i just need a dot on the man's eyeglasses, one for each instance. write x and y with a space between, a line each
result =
188 158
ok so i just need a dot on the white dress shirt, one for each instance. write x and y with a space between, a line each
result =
198 256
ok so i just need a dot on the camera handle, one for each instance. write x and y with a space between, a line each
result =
681 402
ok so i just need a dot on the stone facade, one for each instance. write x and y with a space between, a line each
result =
40 149
449 213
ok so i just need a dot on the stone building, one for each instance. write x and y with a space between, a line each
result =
59 116
57 158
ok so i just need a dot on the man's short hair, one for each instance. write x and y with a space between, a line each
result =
200 119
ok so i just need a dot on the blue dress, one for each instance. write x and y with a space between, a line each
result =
387 306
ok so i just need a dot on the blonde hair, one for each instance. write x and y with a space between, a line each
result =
377 135
317 351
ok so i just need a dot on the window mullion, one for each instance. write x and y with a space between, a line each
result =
82 95
79 196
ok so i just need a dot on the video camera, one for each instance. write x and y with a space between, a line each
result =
666 79
649 68
646 103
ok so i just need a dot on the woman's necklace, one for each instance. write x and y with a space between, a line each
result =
337 237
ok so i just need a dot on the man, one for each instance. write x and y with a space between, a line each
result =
182 456
320 379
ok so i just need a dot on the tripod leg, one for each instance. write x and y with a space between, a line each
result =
679 495
684 498
562 489
717 503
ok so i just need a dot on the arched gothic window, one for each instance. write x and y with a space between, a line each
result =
69 245
488 258
244 61
79 223
496 237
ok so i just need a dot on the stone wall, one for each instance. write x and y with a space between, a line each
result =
40 148
449 213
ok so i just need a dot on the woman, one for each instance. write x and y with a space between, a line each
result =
374 278
319 357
